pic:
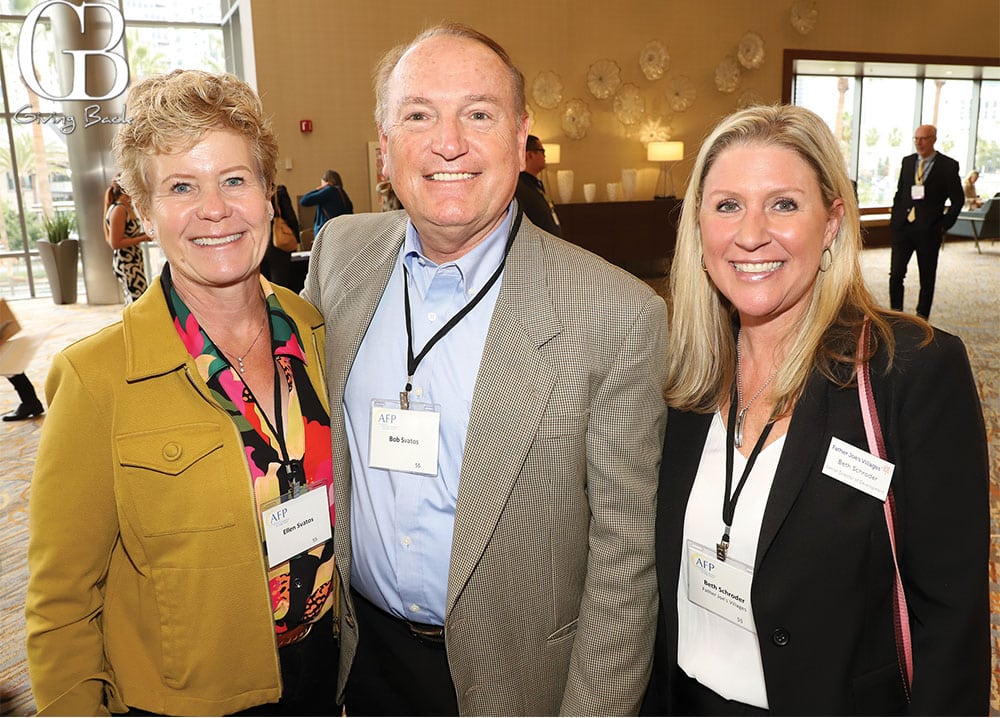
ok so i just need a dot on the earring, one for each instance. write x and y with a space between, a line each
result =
703 267
825 260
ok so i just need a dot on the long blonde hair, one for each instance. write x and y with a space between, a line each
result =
701 359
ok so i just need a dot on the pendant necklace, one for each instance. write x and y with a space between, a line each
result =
742 414
239 359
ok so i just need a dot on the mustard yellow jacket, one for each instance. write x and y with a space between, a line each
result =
148 583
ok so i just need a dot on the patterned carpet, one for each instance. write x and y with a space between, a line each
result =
967 304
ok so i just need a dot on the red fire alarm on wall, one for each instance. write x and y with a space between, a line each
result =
305 125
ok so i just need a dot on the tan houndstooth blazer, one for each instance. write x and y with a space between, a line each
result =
551 589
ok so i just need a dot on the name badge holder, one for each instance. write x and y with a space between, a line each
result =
296 521
404 438
720 587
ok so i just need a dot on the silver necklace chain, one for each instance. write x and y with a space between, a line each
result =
742 413
239 359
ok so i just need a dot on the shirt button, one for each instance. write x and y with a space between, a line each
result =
418 392
297 583
414 608
780 637
432 316
406 541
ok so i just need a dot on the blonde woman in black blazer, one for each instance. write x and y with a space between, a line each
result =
768 303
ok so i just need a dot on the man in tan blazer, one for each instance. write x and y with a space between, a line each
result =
497 419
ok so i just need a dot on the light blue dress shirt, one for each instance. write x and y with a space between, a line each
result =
401 523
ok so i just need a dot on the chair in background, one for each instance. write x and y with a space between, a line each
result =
981 223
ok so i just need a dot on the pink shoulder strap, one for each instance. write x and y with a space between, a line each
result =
876 444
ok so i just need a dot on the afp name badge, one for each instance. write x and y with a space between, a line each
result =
858 469
296 525
404 439
722 587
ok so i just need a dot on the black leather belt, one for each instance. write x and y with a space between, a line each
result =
428 633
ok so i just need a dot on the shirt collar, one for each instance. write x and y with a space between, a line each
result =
475 267
285 340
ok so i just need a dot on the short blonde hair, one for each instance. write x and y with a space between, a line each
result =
171 113
702 355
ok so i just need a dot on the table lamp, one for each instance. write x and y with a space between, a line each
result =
666 153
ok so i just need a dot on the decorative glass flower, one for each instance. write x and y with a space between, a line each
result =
603 78
803 16
629 105
727 74
654 60
749 98
681 93
654 129
576 119
751 51
547 89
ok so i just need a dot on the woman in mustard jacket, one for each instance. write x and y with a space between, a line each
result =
182 504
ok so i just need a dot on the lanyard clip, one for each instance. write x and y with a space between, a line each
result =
404 396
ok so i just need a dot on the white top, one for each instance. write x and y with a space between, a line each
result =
717 653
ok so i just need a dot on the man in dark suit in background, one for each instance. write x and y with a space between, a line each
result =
926 180
530 192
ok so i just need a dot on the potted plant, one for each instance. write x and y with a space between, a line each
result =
59 254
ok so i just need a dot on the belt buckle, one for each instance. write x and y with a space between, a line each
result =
431 634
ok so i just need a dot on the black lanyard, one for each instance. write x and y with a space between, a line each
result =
412 362
729 502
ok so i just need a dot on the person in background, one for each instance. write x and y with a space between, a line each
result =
927 179
972 200
123 231
530 192
387 197
185 447
30 405
500 549
775 567
330 200
277 264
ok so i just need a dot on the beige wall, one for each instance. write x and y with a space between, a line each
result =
314 59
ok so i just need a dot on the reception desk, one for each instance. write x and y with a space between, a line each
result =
638 235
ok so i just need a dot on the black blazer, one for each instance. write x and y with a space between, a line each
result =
823 576
940 184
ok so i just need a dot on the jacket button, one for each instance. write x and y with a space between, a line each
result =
298 582
172 451
780 637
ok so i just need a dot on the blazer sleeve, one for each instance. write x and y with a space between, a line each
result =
901 201
612 652
943 530
73 520
956 193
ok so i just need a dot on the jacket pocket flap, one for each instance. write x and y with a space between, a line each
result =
170 450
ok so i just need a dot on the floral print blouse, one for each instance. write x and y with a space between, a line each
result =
296 453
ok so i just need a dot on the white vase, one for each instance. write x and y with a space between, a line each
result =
564 178
590 191
629 179
613 189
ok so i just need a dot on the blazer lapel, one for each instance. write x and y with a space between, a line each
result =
807 437
512 390
357 290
